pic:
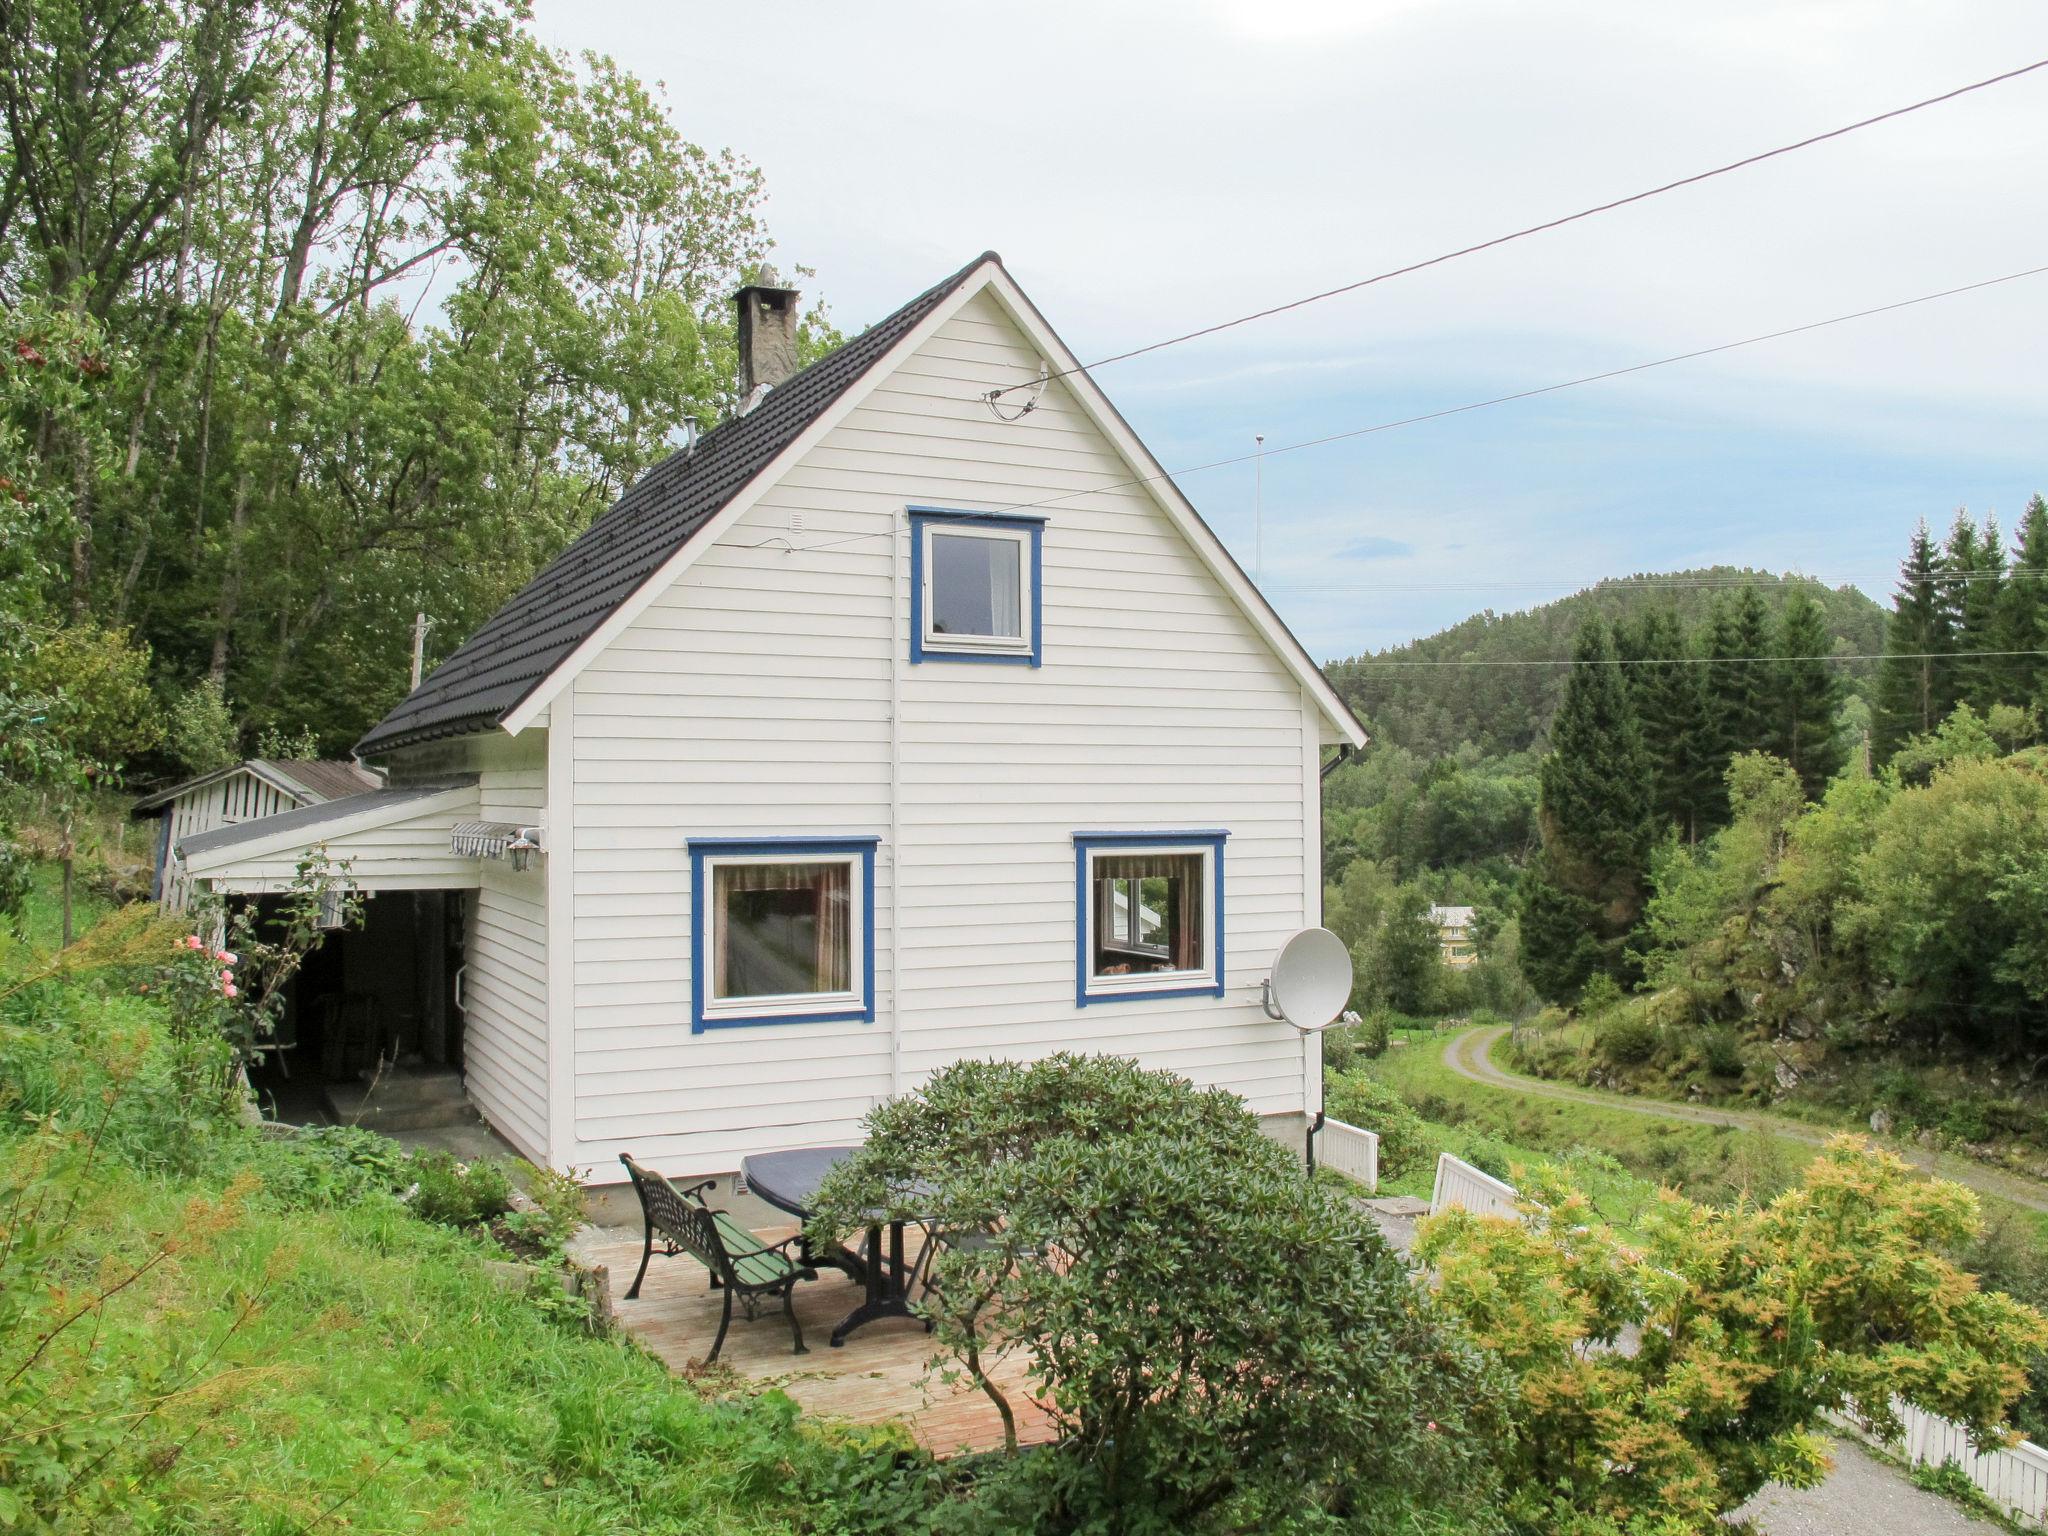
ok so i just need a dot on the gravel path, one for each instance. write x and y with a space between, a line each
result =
1861 1497
1470 1055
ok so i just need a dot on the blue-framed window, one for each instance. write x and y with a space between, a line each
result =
782 930
977 587
1148 915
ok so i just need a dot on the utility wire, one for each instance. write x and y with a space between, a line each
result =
1690 661
1520 234
1653 583
1475 405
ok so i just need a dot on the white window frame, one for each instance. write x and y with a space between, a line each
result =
942 640
846 1001
1205 978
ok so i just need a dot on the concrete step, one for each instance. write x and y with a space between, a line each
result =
402 1101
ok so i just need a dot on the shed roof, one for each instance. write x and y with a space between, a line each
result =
498 666
304 779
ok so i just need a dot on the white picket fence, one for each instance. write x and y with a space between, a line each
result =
2015 1478
1350 1151
1459 1183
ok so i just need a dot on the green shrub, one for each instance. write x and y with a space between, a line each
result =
1966 1120
1109 1181
1340 1050
556 1212
1902 1091
1625 1038
457 1194
1721 1051
1371 1105
325 1167
1600 993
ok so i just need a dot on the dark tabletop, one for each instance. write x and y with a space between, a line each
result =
789 1180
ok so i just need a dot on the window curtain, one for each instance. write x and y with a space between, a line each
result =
1006 617
1183 874
831 886
835 927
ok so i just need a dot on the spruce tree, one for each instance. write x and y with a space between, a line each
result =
1668 688
1805 695
1911 681
2023 614
1584 892
1738 688
1980 679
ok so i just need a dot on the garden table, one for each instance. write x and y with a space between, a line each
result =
789 1181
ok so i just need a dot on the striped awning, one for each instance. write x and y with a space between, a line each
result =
491 839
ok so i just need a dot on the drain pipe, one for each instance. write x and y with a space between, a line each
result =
1315 1126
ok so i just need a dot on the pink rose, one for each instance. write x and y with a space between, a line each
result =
195 942
228 989
227 977
227 957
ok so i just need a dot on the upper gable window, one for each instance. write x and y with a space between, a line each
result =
976 587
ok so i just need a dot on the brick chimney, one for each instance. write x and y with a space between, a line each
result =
768 317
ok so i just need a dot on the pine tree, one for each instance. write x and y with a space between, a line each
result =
2023 614
1980 679
1738 688
1670 702
1584 892
1806 695
1911 682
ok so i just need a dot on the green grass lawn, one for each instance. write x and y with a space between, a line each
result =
1708 1162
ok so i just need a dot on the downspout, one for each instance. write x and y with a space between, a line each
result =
1315 1126
898 642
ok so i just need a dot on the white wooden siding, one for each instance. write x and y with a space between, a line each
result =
504 994
407 855
753 697
239 797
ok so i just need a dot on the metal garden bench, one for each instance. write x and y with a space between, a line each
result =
740 1263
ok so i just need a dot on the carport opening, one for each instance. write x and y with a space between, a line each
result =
372 1010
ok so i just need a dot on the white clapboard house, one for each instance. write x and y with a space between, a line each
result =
885 725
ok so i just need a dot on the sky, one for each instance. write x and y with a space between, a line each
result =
1146 168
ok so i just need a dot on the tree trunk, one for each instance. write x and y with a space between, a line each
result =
230 587
81 535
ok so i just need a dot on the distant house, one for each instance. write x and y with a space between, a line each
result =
894 721
226 797
1454 935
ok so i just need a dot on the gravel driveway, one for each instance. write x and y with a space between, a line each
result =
1861 1497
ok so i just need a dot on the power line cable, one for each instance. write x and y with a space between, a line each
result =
1520 234
1688 661
1650 583
1475 405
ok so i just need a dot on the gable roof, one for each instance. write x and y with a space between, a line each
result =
498 666
507 672
305 780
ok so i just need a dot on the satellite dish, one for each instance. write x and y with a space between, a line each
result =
1311 980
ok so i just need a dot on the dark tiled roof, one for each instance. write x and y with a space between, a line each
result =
310 818
534 633
325 778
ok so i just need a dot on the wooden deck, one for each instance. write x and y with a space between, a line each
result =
879 1374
